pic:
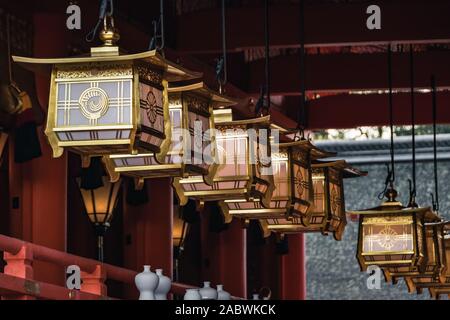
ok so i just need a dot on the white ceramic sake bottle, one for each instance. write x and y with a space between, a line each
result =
192 294
222 294
164 285
146 282
207 292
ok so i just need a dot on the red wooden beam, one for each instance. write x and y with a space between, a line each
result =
346 72
349 111
336 24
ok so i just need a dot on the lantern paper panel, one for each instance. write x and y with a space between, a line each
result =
328 211
293 193
107 102
435 266
236 176
392 236
192 145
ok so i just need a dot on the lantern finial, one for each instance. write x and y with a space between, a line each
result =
109 35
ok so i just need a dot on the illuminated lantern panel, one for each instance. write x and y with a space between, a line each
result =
100 203
191 118
237 175
293 193
328 212
107 102
393 236
435 267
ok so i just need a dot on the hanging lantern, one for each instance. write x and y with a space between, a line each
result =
293 193
437 288
328 211
191 118
108 102
393 236
240 174
437 274
100 204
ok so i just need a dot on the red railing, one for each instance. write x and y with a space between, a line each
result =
17 280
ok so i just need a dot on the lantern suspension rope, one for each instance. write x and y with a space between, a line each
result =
221 68
158 26
266 43
102 14
301 116
390 178
391 116
435 198
8 43
413 121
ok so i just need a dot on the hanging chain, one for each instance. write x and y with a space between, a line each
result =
8 43
413 124
391 115
158 31
435 198
221 68
267 53
301 116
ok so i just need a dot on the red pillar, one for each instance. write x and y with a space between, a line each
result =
224 256
148 229
293 270
233 243
210 242
39 186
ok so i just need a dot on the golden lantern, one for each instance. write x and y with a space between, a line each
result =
393 236
437 276
100 204
191 117
108 102
239 174
328 211
435 266
293 193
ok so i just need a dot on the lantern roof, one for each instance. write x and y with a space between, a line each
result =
202 89
395 208
173 72
316 153
348 170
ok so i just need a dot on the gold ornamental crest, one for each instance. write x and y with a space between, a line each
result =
93 103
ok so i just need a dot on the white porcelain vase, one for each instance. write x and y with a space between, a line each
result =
146 282
222 294
164 285
256 296
207 292
192 294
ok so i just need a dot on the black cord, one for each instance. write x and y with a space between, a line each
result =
102 14
391 114
158 31
224 45
413 121
266 43
301 121
436 186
